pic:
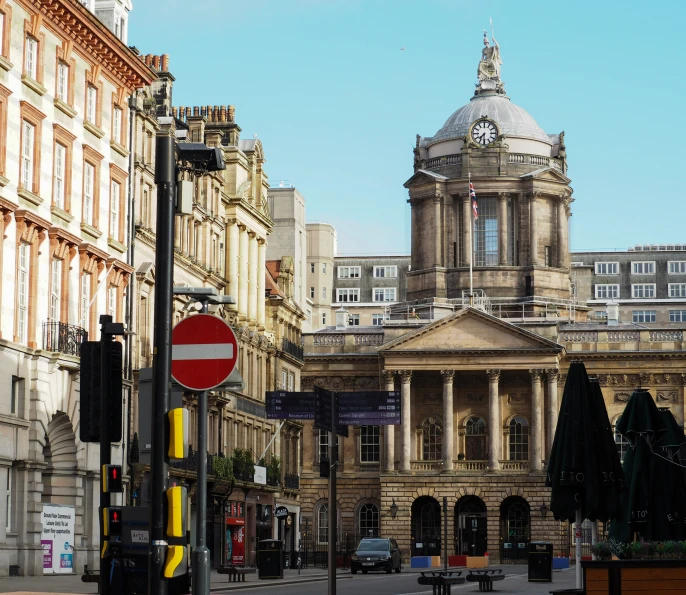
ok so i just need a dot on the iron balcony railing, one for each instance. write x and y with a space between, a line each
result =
63 338
292 481
292 349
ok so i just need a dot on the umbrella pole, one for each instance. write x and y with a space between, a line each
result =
594 534
577 531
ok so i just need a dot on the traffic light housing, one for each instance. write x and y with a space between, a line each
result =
177 503
178 434
176 563
111 521
112 479
324 468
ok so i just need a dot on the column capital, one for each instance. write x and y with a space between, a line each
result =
252 235
552 374
261 242
405 376
448 376
242 227
438 197
503 195
389 375
493 375
536 374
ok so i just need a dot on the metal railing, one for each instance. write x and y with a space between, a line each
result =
292 481
292 349
63 338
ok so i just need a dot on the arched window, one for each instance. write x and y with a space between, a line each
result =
368 517
519 439
432 439
621 442
475 439
323 524
518 521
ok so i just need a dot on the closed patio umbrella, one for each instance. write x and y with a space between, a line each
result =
583 471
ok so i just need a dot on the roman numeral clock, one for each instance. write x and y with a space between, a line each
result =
484 132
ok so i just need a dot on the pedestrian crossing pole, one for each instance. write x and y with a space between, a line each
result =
333 529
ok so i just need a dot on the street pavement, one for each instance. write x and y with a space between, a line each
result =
310 582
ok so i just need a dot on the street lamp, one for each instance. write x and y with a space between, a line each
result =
544 510
394 509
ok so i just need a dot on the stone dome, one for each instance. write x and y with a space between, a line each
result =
511 119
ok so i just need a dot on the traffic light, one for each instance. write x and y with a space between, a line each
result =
111 521
324 468
178 433
111 479
90 390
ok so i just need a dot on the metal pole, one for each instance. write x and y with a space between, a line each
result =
445 533
201 555
577 536
333 461
165 178
105 451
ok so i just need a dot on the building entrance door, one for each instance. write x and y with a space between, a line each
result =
470 527
426 527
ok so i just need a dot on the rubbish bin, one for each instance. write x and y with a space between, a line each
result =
270 558
540 562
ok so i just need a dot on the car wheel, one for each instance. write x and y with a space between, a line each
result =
353 570
365 571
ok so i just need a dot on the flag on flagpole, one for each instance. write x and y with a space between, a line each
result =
475 206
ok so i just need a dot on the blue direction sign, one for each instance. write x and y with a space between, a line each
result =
369 408
289 405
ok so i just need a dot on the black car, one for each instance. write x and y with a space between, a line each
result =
376 554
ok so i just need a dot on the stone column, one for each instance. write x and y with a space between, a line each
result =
252 277
502 228
232 260
438 231
551 409
495 430
467 230
448 441
562 247
243 258
389 431
536 421
406 412
261 263
533 230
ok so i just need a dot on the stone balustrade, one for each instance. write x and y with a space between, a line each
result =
623 340
347 341
374 339
426 465
517 466
462 465
329 339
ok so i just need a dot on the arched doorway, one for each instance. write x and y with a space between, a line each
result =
515 529
426 527
470 527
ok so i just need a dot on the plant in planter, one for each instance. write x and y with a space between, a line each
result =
601 550
274 470
222 468
243 466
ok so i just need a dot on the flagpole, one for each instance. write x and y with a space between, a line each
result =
471 252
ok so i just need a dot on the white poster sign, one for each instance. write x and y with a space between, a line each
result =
260 475
58 539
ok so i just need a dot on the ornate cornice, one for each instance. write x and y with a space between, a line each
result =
70 20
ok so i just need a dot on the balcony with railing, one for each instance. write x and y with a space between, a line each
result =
292 349
63 338
462 465
292 481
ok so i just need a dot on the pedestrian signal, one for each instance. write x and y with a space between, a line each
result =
111 479
178 433
111 521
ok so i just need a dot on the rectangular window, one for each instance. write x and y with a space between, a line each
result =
91 103
312 293
84 300
88 189
644 315
31 64
354 320
607 268
291 382
116 125
601 314
23 293
323 293
27 156
606 292
55 289
486 233
284 379
311 267
384 294
677 316
114 210
324 318
386 272
643 268
8 500
112 302
378 319
643 290
369 443
324 268
349 272
62 81
677 290
59 175
17 384
347 295
676 267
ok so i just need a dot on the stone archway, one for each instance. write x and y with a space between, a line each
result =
61 482
426 527
471 535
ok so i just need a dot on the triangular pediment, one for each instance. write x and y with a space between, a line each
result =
423 176
547 174
470 330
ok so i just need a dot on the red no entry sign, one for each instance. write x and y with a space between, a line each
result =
204 352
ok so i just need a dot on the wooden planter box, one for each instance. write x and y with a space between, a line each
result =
657 577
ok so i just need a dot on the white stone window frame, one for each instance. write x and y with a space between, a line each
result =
348 294
643 291
354 319
612 268
60 175
607 288
386 291
638 267
23 276
378 319
55 289
31 57
643 316
386 271
371 442
62 81
676 290
27 155
349 272
680 265
677 316
91 104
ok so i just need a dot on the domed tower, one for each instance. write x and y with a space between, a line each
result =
519 241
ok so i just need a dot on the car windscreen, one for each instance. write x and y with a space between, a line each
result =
373 545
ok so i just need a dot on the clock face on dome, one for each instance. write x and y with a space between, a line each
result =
484 132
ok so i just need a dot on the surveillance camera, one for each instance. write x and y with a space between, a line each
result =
201 157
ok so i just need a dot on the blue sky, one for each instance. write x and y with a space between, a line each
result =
337 104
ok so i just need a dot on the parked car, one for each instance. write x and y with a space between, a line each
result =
376 554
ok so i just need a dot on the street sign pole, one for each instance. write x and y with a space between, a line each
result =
333 461
105 445
445 533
